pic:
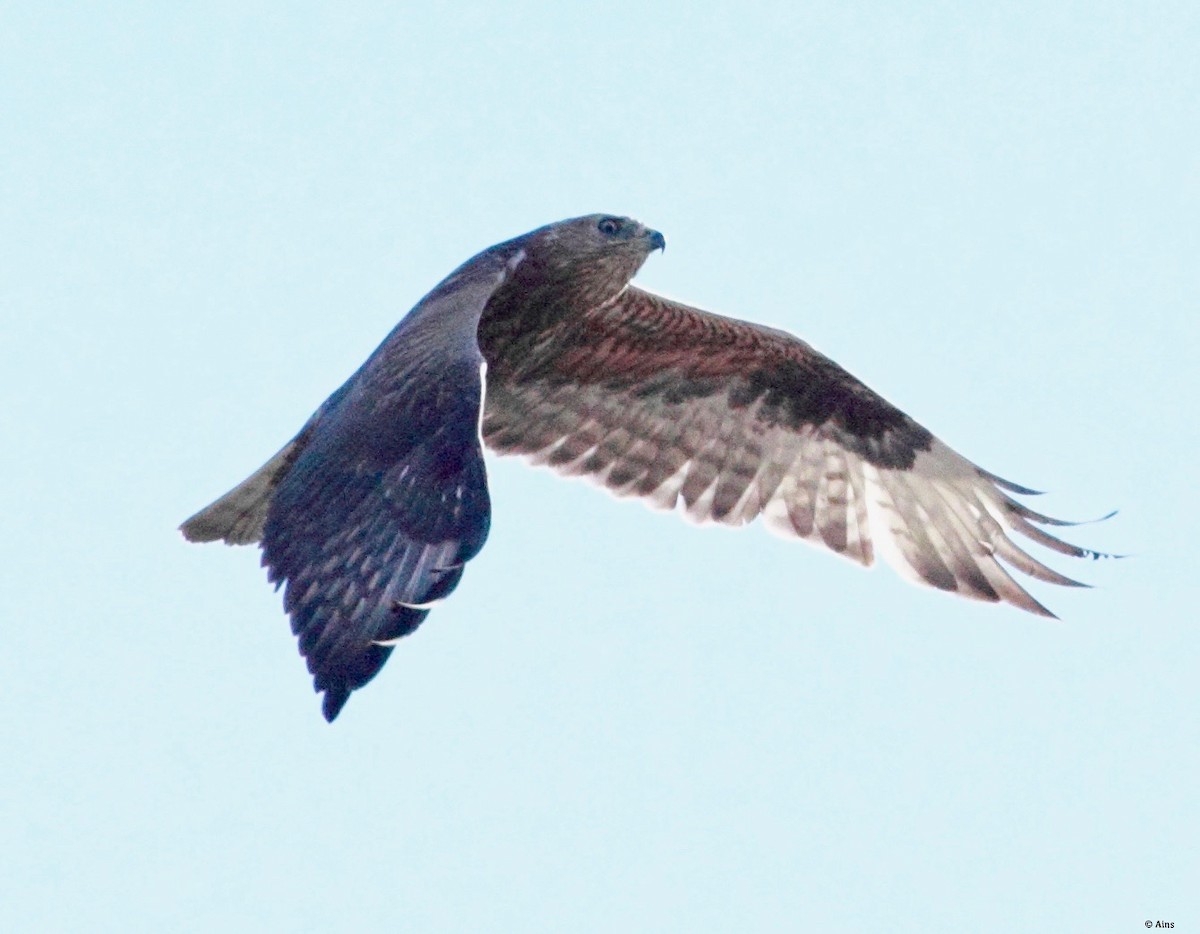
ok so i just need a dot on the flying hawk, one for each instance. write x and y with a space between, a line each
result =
369 515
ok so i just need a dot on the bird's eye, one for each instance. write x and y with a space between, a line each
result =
609 226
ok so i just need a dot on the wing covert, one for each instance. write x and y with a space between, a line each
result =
387 500
730 421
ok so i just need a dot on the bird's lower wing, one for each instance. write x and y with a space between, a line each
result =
369 515
365 541
731 421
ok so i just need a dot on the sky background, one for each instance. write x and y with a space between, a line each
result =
620 722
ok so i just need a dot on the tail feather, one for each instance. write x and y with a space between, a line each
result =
238 517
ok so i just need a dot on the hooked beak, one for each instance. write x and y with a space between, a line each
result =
656 240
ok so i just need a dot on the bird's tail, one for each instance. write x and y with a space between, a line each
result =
238 517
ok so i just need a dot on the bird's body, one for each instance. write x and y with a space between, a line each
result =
369 515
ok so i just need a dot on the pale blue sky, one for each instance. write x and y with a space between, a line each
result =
620 722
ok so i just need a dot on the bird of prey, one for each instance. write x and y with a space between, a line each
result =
540 346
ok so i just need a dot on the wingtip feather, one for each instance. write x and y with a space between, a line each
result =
333 702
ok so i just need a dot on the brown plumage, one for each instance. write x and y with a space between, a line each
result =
371 512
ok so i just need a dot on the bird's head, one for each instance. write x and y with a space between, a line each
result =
607 232
603 251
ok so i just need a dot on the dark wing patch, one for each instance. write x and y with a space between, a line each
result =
365 543
730 420
387 500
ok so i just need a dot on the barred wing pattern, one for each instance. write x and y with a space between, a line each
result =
368 530
655 399
369 515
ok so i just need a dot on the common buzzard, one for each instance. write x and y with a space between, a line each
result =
369 515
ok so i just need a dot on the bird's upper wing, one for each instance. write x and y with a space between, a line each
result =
387 498
655 399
